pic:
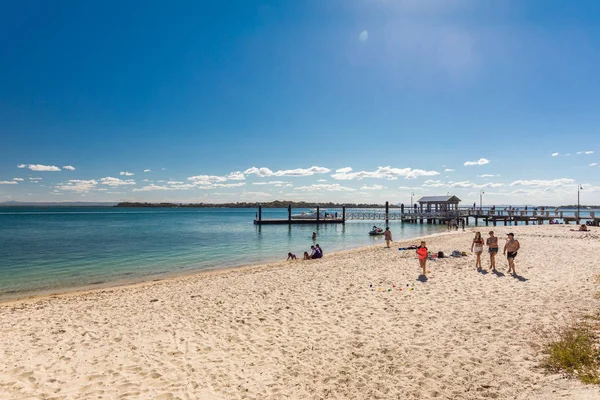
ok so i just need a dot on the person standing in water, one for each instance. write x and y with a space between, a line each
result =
477 248
422 254
492 243
511 248
388 237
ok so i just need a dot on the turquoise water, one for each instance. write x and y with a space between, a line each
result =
63 248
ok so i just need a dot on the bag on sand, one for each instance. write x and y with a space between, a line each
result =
440 254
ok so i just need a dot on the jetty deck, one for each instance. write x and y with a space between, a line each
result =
485 215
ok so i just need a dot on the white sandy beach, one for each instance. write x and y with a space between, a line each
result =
314 329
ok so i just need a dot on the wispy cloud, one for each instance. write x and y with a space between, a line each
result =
544 183
39 167
382 173
147 170
449 170
372 187
481 161
461 184
266 172
35 179
335 187
486 176
274 183
114 182
586 152
126 173
8 183
18 179
69 168
206 179
78 186
593 164
555 154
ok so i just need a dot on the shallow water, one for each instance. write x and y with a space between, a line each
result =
60 248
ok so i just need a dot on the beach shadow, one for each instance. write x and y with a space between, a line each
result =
498 274
422 278
520 278
482 271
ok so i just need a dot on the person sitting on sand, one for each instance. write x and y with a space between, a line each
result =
510 249
477 248
388 237
422 254
315 253
291 257
320 250
583 228
306 256
492 243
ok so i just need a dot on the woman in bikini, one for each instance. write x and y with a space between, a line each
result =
492 243
477 247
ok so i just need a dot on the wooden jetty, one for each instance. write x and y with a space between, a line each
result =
438 211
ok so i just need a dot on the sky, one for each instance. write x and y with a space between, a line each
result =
340 100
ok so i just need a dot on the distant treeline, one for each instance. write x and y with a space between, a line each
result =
271 204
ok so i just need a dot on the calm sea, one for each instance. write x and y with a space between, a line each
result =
63 248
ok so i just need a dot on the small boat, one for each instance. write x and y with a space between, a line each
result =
376 231
312 214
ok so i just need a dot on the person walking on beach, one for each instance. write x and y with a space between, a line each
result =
477 248
388 237
422 254
511 248
462 222
492 243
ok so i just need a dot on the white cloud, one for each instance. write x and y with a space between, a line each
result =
175 183
18 179
114 182
554 154
448 170
39 167
8 183
206 179
145 180
481 161
151 188
343 170
382 173
461 184
78 186
69 167
276 183
266 172
585 152
593 164
126 173
147 170
486 176
236 176
544 183
321 180
334 187
222 185
35 179
372 187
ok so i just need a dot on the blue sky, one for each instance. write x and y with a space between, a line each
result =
347 100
